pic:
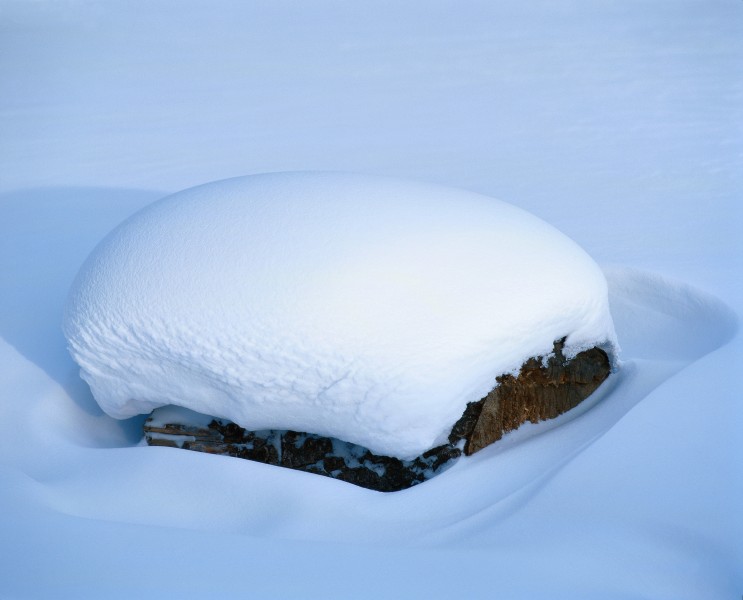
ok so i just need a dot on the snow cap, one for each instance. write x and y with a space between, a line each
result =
363 308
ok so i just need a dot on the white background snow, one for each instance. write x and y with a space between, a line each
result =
617 122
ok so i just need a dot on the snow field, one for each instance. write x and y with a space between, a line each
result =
618 122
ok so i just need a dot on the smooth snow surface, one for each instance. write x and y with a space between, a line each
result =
618 122
366 309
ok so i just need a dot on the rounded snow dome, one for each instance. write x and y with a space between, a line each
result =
362 308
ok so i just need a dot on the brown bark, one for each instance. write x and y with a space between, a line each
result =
539 392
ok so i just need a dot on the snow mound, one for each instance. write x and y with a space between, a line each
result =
366 309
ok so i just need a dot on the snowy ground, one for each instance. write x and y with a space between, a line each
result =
617 122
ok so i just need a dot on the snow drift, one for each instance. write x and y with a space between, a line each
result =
366 309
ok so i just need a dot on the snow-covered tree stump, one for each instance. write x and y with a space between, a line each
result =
413 322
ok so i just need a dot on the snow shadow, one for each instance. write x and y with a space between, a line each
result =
45 235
